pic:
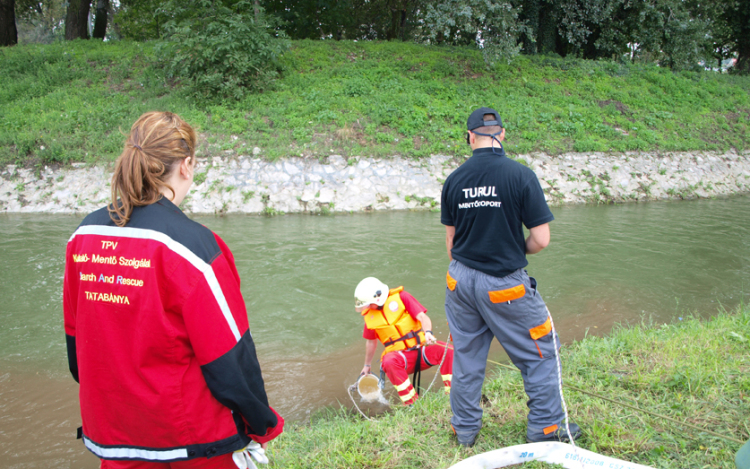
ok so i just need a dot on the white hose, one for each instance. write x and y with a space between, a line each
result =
554 452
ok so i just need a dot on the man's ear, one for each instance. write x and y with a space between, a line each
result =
502 135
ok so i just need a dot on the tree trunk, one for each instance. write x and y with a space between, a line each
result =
100 23
402 26
546 34
392 31
742 35
76 21
531 15
743 61
8 31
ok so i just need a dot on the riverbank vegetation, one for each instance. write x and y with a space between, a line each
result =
69 102
695 371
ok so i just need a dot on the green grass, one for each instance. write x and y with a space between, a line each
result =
694 370
69 101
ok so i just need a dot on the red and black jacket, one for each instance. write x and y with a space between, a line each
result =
158 338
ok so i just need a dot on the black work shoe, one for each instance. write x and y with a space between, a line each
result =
560 434
466 442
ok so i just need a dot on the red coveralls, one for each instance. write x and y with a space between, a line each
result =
398 365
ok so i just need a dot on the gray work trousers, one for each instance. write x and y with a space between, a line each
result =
480 307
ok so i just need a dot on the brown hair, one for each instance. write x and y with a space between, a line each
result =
154 148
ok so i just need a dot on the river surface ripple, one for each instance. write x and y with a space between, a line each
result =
606 265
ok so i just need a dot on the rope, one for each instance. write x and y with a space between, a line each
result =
559 379
574 388
638 409
445 353
560 387
349 391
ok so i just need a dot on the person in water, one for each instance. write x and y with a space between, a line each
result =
400 323
485 204
156 327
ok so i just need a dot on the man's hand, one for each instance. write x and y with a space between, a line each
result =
431 339
366 370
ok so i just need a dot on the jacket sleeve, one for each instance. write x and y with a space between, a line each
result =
70 297
413 307
216 321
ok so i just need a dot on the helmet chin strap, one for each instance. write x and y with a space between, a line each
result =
494 139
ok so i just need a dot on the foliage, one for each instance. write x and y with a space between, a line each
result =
735 33
220 50
669 31
582 23
347 19
40 21
673 370
679 34
369 99
336 19
140 20
492 25
674 33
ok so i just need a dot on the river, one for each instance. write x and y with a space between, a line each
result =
606 265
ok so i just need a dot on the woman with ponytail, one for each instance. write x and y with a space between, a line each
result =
155 324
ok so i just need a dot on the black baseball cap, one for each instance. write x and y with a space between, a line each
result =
476 119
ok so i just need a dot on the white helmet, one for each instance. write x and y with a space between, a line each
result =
370 290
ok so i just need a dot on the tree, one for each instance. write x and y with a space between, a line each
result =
8 31
77 20
347 19
583 24
100 24
491 25
669 32
736 35
40 21
140 20
315 19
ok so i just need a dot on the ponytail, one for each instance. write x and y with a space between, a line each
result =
158 141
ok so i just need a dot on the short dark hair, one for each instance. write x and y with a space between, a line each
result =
488 129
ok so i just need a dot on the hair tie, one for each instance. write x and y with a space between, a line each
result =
137 146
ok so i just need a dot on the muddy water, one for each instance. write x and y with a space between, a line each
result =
606 265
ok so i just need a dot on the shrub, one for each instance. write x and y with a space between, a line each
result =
221 51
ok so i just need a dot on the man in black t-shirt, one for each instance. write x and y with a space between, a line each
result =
485 204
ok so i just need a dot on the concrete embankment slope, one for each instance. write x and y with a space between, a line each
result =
243 184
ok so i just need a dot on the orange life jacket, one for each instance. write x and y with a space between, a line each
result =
395 327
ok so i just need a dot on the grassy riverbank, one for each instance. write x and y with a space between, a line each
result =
67 102
694 370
